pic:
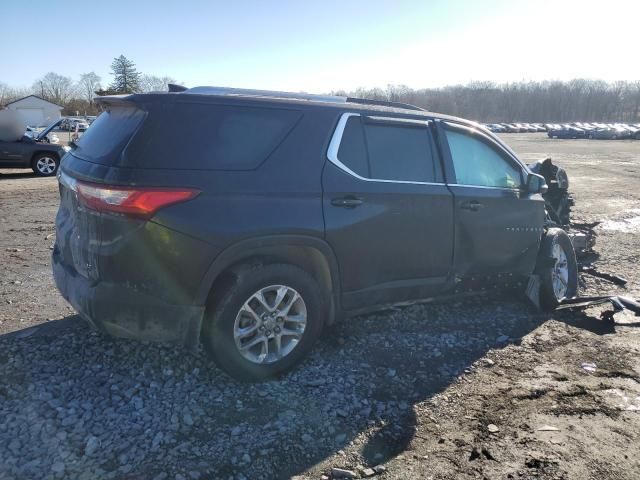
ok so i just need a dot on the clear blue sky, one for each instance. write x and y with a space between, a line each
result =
318 46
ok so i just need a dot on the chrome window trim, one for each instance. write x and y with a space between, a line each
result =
336 139
508 189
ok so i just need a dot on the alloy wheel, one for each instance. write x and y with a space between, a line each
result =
270 324
46 165
560 271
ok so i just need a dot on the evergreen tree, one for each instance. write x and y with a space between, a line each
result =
126 79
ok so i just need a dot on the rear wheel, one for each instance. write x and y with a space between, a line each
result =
45 164
265 320
557 268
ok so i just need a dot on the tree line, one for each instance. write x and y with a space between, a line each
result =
547 101
78 95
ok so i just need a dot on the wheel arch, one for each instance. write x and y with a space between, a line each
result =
310 253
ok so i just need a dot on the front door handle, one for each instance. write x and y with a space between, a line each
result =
472 205
346 202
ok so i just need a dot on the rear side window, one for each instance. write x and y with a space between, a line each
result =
107 136
381 150
197 136
399 152
476 163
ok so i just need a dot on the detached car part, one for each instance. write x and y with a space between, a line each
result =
618 302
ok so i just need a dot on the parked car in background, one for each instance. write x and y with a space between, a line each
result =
511 128
79 124
609 133
496 128
35 152
70 124
566 131
603 133
631 130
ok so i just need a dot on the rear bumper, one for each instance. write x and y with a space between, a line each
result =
123 312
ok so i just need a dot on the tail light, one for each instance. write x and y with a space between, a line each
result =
138 202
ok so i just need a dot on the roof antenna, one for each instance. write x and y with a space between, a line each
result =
176 88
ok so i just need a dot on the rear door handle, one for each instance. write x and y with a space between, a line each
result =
472 205
346 202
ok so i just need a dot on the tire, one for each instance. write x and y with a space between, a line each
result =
229 310
45 164
552 268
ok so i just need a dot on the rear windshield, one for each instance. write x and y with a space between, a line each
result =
196 136
104 141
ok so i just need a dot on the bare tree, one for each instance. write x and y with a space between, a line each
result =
151 83
88 85
4 93
54 87
548 101
9 94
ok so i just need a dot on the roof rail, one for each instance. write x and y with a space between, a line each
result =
244 92
383 103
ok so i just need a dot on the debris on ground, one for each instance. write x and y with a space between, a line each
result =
548 428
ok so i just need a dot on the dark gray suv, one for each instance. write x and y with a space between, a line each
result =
249 220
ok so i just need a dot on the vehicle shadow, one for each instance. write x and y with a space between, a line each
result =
14 175
154 408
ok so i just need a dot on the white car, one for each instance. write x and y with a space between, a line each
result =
82 125
70 124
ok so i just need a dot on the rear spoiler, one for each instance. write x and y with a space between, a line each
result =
111 100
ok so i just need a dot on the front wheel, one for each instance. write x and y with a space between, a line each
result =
558 269
265 321
45 164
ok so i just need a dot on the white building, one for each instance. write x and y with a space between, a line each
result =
35 111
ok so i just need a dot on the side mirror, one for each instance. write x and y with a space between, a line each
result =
536 184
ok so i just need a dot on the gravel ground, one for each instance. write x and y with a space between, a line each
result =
481 388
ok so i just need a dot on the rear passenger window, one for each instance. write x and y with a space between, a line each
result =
209 136
387 151
399 152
